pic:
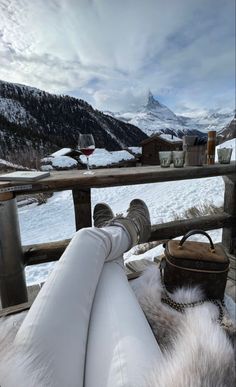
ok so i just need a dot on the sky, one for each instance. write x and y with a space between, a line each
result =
112 52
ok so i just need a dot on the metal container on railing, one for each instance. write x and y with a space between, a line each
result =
195 150
211 146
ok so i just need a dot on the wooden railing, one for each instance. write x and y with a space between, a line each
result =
13 257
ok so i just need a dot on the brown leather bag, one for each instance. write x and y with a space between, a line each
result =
190 263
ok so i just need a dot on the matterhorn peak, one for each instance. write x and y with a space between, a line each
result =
151 101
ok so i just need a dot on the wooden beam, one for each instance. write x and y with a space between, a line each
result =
177 228
111 177
33 291
6 196
47 252
82 205
229 231
12 277
15 309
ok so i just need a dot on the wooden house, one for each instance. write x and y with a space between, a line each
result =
154 144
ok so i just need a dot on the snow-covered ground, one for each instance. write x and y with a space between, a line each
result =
55 219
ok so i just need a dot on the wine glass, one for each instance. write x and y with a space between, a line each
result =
87 147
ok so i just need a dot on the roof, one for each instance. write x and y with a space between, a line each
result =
135 150
101 157
61 152
4 164
170 137
163 138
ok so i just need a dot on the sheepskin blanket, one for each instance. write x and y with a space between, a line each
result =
197 351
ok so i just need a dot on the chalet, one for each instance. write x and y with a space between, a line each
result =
160 142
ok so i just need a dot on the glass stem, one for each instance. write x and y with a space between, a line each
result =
88 167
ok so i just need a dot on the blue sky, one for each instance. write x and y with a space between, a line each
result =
112 52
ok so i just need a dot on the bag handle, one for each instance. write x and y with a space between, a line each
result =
193 232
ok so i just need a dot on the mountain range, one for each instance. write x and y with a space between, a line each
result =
228 132
34 123
154 117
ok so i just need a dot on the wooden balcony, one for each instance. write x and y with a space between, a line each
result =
80 184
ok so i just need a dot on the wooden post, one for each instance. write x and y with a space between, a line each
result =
229 232
82 205
13 288
211 145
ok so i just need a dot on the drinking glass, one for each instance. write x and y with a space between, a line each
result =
87 146
178 159
224 155
165 159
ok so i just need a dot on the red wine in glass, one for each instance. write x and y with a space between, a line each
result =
87 147
87 151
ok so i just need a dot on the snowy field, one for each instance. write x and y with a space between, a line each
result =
55 219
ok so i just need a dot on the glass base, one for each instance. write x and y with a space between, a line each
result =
88 173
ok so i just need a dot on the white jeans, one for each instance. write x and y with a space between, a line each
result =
85 327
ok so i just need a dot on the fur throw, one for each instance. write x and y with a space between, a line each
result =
197 351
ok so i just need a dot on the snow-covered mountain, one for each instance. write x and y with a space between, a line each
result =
36 122
214 119
154 117
229 131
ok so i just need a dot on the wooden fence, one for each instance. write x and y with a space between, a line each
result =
13 256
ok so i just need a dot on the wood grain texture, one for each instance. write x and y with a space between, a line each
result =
177 228
62 180
33 291
82 206
44 252
52 251
6 196
229 231
12 277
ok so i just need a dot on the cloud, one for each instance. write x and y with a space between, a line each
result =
111 52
